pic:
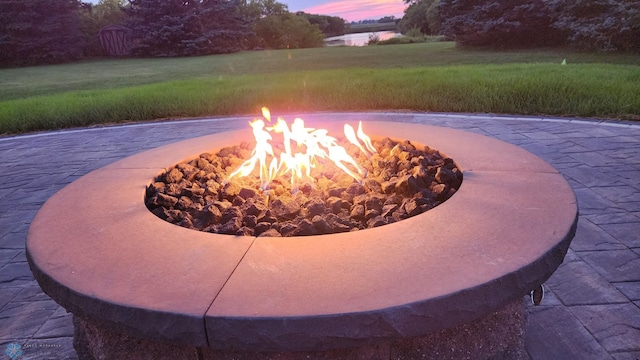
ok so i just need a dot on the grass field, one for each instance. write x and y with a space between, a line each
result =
421 77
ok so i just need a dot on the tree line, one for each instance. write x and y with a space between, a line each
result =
54 31
602 25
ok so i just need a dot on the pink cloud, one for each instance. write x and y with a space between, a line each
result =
353 10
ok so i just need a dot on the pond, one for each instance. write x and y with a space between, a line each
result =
358 39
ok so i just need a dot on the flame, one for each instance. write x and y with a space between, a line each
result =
303 148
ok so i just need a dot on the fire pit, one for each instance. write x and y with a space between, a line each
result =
429 284
303 182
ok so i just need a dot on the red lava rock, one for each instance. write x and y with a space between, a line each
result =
262 227
189 172
357 212
270 233
208 216
334 204
376 221
355 189
306 228
315 207
250 221
174 176
284 209
444 175
402 181
173 189
164 200
185 203
247 193
387 210
322 225
253 208
267 217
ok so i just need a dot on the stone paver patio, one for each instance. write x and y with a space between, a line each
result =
592 306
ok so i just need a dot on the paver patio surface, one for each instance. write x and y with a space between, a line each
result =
592 305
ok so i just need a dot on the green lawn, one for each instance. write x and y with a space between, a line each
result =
421 77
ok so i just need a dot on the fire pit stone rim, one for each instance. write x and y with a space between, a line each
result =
58 276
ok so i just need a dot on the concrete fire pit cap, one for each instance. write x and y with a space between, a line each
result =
97 250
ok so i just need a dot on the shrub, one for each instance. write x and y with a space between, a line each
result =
411 40
413 32
421 14
40 31
374 39
606 25
288 31
181 28
499 23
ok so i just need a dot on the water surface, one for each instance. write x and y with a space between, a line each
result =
359 39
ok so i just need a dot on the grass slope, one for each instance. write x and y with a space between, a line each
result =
422 77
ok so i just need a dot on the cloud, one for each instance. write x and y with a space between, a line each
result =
352 10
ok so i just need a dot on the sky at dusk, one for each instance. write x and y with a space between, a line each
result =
350 10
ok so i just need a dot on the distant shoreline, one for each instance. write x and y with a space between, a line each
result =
373 27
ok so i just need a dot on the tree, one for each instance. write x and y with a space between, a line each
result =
275 27
256 9
329 25
387 19
186 27
498 23
288 31
39 31
606 25
104 13
108 12
422 15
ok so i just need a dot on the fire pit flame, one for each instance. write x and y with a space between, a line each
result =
303 147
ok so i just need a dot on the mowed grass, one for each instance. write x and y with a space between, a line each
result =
419 77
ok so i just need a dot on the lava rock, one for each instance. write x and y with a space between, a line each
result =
261 227
334 204
355 189
411 207
321 225
387 210
357 212
270 233
254 208
189 172
231 227
164 200
400 181
245 231
230 191
174 176
208 216
250 221
315 207
267 217
305 228
373 205
247 193
231 213
284 209
238 201
376 221
389 187
185 203
445 176
288 229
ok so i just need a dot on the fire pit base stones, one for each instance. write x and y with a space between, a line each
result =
96 249
499 335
